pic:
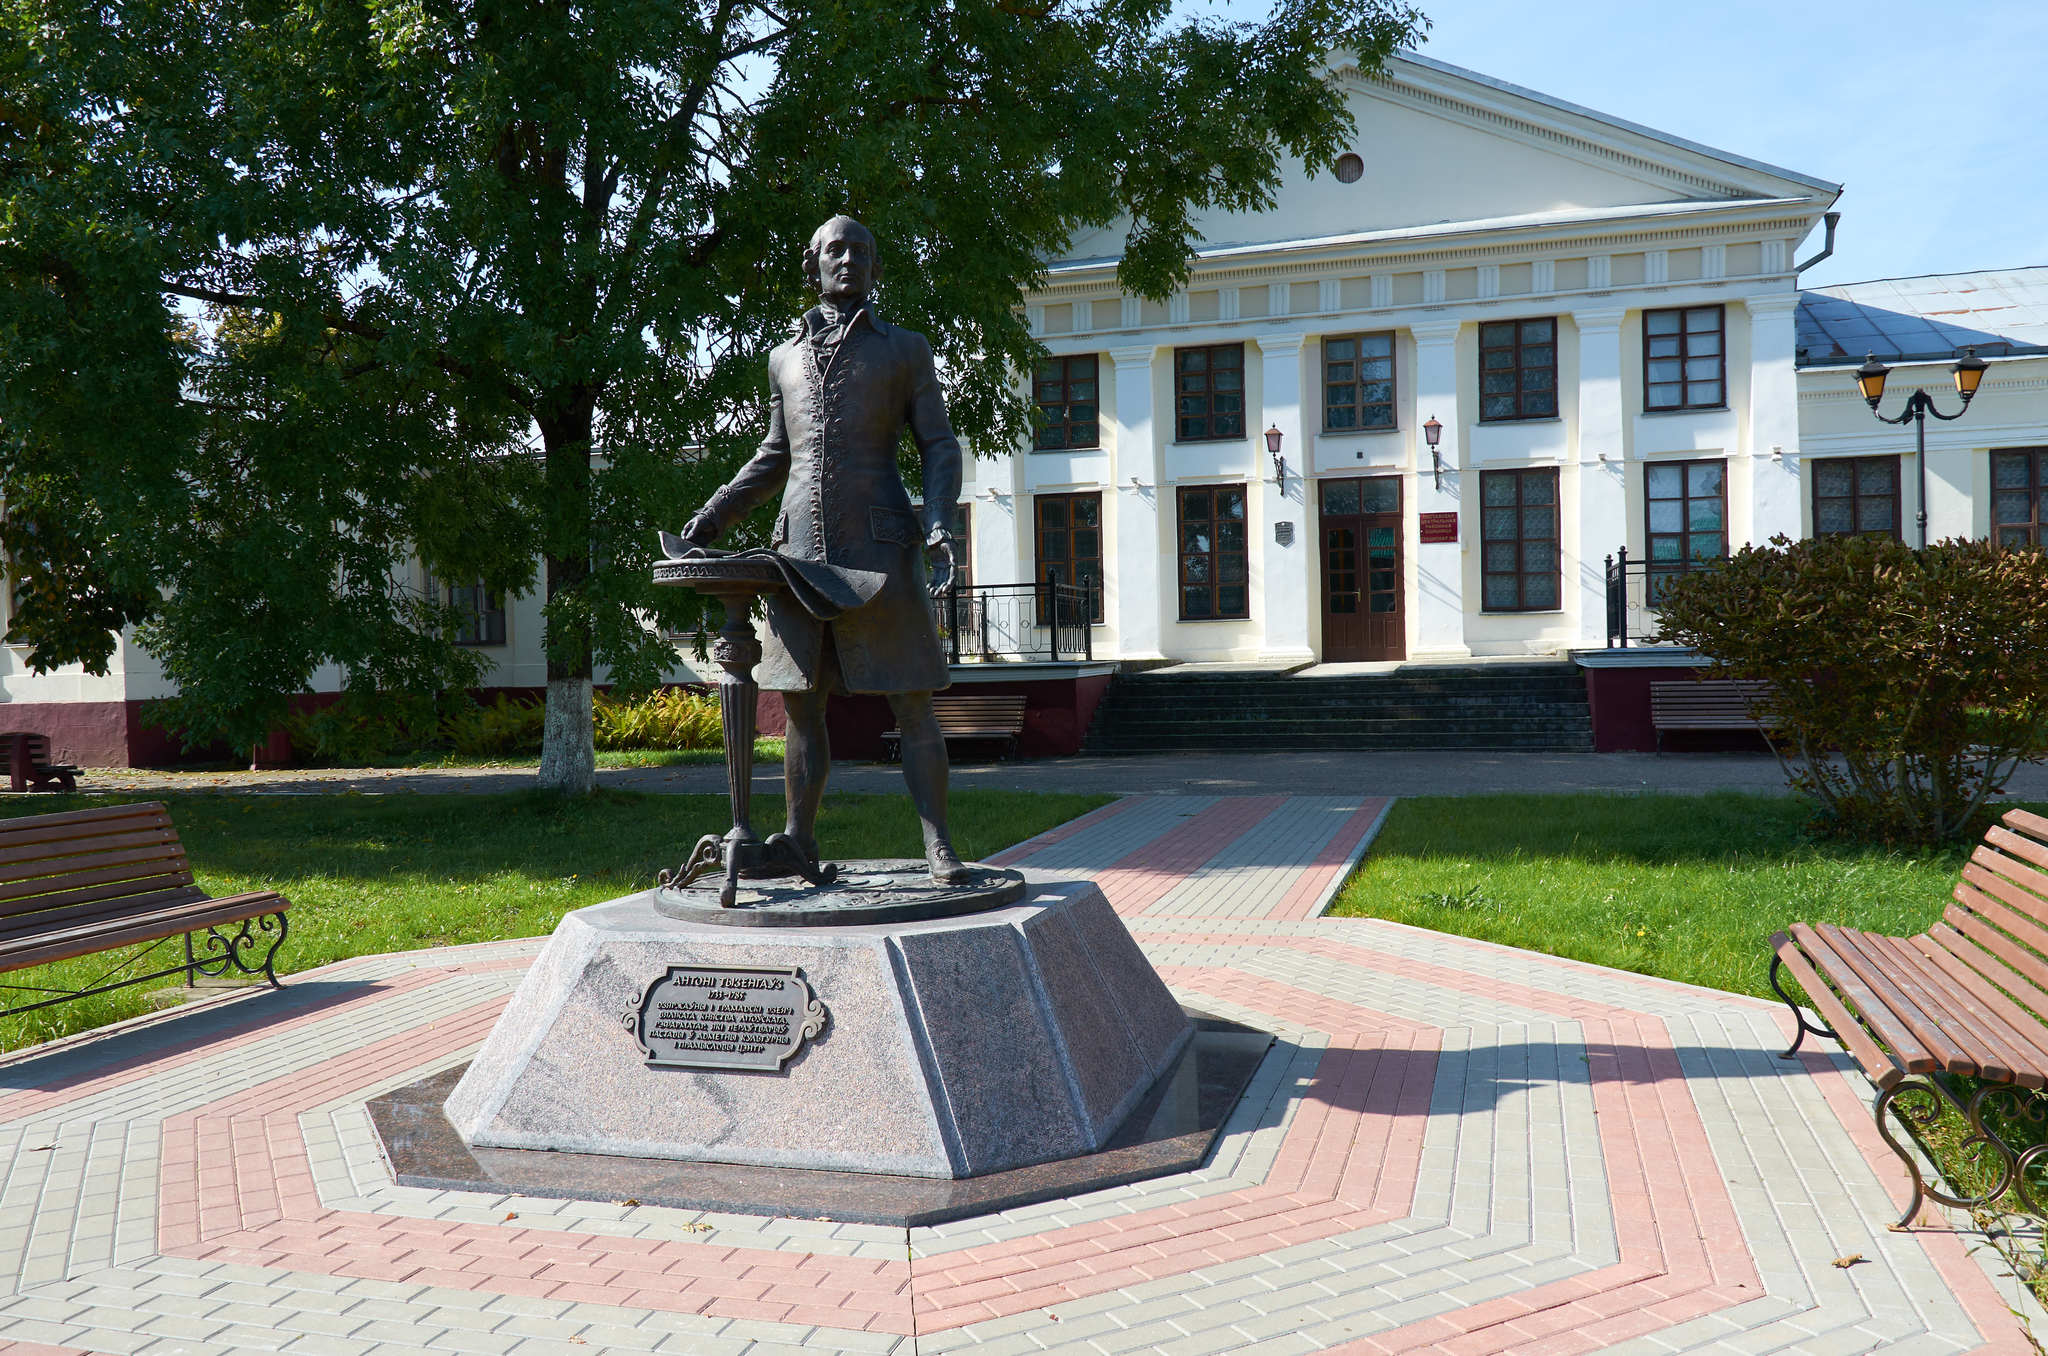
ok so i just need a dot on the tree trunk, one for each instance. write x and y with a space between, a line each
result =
568 750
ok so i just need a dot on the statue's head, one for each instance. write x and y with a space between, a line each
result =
840 260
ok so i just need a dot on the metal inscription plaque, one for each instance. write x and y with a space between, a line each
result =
724 1017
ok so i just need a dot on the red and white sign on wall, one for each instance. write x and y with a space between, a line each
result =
1439 527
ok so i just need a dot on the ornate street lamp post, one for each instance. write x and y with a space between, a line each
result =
1969 374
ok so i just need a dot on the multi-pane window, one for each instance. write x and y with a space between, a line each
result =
1214 568
1856 495
1208 393
1684 358
1067 397
1687 516
1069 543
479 614
1518 534
1518 369
1358 382
2019 496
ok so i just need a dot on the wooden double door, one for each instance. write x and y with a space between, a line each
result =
1363 618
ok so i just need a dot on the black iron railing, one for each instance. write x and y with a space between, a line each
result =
1016 623
1633 588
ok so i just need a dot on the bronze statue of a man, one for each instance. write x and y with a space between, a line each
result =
840 393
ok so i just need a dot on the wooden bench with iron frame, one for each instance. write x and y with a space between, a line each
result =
29 767
969 717
87 881
1964 1000
1707 704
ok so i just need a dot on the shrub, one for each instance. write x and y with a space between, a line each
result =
362 727
1907 684
668 718
507 725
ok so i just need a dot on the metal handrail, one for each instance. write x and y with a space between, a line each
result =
1633 587
1043 621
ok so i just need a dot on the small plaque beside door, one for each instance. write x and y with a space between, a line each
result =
1439 527
1283 533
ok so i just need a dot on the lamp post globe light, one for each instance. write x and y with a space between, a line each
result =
1969 375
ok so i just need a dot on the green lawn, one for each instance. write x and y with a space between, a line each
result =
1686 887
366 874
767 750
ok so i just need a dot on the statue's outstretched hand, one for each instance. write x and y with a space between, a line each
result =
938 558
697 535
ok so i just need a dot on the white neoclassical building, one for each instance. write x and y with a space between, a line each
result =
1596 321
1602 326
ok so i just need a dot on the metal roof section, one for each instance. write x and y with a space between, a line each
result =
1623 124
1435 234
1999 312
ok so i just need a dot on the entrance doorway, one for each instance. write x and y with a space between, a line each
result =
1361 527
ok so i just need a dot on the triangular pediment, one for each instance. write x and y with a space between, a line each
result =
1443 146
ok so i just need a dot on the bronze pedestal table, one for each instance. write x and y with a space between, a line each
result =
735 581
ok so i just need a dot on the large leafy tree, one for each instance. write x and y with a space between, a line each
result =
292 289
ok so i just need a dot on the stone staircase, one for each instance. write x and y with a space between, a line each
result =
1511 706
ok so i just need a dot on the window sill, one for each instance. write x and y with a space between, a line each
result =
1524 419
1685 409
1055 451
1199 621
1210 442
1521 612
1359 432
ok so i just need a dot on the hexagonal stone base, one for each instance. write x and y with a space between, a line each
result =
953 1047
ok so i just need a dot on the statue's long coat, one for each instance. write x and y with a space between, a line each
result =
833 429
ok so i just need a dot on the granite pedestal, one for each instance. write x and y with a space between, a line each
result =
951 1048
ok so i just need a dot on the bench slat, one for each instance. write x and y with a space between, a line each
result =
2025 972
1994 1052
101 909
2024 1033
20 896
1874 997
1906 1006
31 827
1883 1069
1994 897
57 851
84 940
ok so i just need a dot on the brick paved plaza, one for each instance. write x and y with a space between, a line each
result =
1452 1147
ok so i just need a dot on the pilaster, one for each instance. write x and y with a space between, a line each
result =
1132 578
1773 416
1284 576
1602 492
1439 595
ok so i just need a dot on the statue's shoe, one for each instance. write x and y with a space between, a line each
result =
945 864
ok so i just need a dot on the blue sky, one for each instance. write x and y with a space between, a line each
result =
1933 118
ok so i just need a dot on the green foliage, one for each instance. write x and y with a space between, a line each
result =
1907 684
362 728
289 294
507 725
667 718
369 874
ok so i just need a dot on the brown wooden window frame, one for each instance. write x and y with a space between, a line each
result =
1525 395
2036 461
1685 358
1049 394
1069 566
1520 541
1357 382
1208 394
1212 555
480 614
1857 467
1665 566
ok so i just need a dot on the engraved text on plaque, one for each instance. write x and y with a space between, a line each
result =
720 1017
